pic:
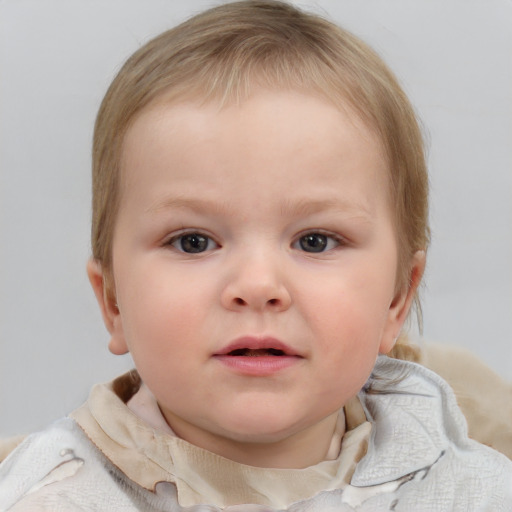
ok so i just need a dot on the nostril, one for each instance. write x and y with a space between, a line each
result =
257 298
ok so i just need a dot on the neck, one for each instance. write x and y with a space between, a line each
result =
296 451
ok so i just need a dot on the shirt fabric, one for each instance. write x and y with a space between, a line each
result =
105 457
141 444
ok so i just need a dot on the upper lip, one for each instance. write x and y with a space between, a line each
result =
257 343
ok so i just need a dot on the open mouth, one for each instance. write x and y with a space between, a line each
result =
258 356
250 352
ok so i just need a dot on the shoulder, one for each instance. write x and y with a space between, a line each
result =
60 469
402 394
484 397
420 434
406 396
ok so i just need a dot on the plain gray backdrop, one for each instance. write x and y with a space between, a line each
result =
57 57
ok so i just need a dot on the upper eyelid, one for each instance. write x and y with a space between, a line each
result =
325 232
171 241
188 231
342 240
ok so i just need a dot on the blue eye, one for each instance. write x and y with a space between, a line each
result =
192 243
316 242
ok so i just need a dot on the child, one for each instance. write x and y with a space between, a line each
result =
259 234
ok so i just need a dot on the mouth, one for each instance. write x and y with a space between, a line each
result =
254 346
248 352
258 357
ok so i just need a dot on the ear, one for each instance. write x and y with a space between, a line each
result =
109 310
402 302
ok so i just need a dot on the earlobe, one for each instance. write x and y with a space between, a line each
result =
402 302
109 310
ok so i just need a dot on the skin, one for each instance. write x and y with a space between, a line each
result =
253 180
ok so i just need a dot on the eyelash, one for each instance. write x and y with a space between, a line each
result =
181 237
197 240
330 237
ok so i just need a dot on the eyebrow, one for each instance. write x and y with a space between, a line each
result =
292 208
203 205
304 207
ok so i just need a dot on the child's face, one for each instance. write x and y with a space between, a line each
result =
254 262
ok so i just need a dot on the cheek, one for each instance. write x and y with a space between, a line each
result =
348 311
354 300
159 309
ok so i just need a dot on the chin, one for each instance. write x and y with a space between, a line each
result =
267 430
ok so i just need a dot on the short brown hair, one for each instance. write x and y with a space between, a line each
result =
223 52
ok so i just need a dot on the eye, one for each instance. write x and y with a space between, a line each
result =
316 242
192 243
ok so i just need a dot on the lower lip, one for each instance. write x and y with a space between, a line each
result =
258 366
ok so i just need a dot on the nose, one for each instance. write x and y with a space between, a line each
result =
256 283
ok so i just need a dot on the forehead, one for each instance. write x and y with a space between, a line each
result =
289 133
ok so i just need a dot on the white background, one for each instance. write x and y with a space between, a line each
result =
57 57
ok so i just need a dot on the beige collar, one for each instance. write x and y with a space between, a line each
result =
149 453
144 405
